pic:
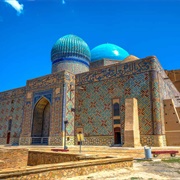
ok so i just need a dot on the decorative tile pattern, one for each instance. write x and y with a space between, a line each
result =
95 113
12 93
97 140
157 122
86 102
70 53
119 70
70 103
11 105
44 86
55 140
147 140
71 66
39 95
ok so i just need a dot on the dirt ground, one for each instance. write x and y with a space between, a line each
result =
149 170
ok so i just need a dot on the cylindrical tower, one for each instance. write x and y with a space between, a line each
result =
70 53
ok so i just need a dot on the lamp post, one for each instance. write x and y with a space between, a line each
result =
65 123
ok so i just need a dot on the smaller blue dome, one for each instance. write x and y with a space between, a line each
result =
109 51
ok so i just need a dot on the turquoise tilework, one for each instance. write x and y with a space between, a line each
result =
14 110
95 104
70 100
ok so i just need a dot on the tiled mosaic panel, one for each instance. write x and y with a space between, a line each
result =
70 103
119 70
147 140
153 140
55 140
156 103
39 85
3 140
72 67
94 104
25 140
12 93
56 112
97 141
15 110
45 82
14 141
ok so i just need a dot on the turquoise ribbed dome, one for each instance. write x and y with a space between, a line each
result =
71 48
109 51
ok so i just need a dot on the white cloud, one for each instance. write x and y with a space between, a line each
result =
15 4
63 2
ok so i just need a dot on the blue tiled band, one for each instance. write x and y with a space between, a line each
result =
71 60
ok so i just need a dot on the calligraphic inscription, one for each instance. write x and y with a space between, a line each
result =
42 82
119 70
98 75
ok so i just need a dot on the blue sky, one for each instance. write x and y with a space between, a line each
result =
29 28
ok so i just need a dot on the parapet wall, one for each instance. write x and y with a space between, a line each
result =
38 157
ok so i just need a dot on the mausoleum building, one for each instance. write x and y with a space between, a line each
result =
109 95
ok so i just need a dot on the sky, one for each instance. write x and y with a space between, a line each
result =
29 29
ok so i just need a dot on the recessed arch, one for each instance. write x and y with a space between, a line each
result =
41 119
39 99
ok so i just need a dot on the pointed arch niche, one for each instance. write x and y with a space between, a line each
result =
41 122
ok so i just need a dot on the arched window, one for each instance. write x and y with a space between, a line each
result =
116 109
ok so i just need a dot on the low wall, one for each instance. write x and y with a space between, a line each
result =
13 158
38 157
68 169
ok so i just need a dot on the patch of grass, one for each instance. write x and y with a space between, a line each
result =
134 178
172 160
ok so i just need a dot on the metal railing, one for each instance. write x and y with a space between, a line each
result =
40 140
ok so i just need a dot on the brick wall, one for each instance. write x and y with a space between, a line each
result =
11 107
37 157
174 76
13 158
68 169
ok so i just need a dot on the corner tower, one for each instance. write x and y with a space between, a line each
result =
70 53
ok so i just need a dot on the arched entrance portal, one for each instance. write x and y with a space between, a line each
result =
41 122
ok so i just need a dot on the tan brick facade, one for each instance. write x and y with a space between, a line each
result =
174 76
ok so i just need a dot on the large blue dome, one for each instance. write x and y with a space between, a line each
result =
71 48
109 51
